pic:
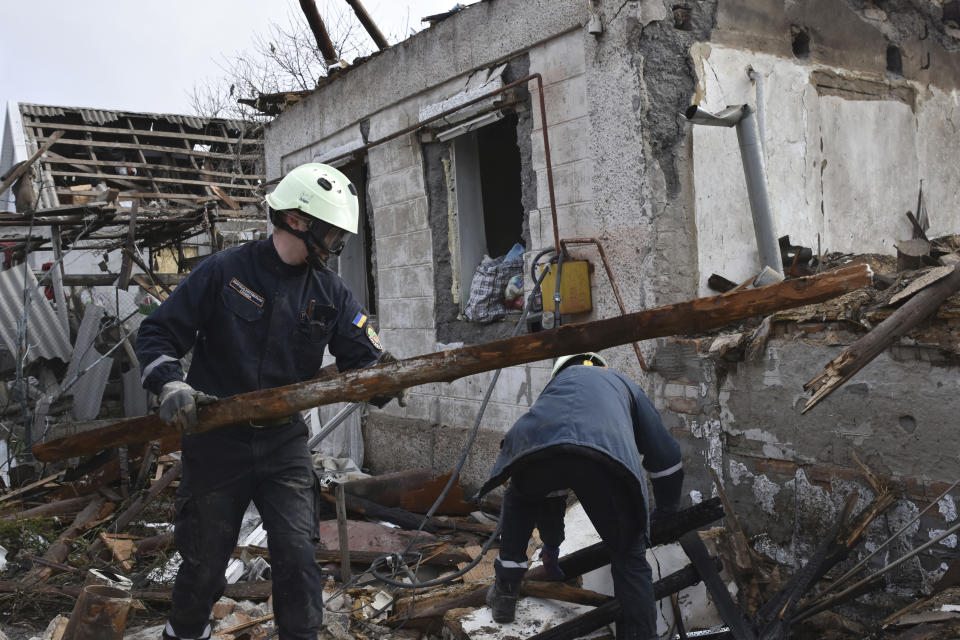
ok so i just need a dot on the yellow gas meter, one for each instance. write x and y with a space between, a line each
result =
574 287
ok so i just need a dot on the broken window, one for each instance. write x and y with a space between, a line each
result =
486 169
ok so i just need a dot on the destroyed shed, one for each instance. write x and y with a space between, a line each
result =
512 127
105 211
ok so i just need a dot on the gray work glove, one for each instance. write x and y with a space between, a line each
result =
178 405
383 399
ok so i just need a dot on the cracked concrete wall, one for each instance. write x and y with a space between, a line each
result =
787 474
846 141
669 207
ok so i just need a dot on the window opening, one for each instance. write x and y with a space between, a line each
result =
355 264
489 195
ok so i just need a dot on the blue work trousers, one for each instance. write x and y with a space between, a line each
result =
223 471
613 507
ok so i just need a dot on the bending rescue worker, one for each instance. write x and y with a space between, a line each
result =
587 432
257 316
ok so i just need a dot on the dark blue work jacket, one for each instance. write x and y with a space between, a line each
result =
254 323
604 414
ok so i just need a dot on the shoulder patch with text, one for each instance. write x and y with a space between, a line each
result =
246 292
374 338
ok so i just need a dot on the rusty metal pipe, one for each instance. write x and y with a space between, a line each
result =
100 613
444 114
613 285
369 24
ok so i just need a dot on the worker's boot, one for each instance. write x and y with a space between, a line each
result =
502 600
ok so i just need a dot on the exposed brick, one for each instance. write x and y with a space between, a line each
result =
572 183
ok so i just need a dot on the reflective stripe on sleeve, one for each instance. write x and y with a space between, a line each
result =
153 365
665 472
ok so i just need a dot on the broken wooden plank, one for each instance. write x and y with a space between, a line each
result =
55 158
924 281
668 529
609 611
23 167
126 264
227 200
424 611
30 487
57 552
56 508
864 350
370 509
388 489
139 504
343 538
324 43
369 24
693 316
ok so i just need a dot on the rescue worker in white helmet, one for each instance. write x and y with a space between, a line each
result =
592 431
256 316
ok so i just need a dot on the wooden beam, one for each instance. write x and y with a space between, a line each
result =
126 264
22 168
118 177
55 158
324 43
369 24
692 316
858 355
148 133
153 195
149 147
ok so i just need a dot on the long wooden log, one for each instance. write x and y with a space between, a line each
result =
693 316
863 351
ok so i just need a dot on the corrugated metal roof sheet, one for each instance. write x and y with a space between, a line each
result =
107 116
46 337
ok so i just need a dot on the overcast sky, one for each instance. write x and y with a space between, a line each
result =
146 55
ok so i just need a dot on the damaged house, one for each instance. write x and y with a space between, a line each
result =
595 159
560 124
106 211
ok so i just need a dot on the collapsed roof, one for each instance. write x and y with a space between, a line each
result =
181 170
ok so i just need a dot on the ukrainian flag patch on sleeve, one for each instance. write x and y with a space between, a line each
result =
359 320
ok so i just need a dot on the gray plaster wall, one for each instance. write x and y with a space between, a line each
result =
787 474
668 206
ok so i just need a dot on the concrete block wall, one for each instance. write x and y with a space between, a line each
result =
786 474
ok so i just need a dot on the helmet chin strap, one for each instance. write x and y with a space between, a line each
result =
314 259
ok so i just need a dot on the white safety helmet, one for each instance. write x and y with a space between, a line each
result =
589 358
328 197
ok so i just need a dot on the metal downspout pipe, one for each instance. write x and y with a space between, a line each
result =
751 154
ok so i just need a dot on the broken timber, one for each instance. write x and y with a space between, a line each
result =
701 314
863 351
